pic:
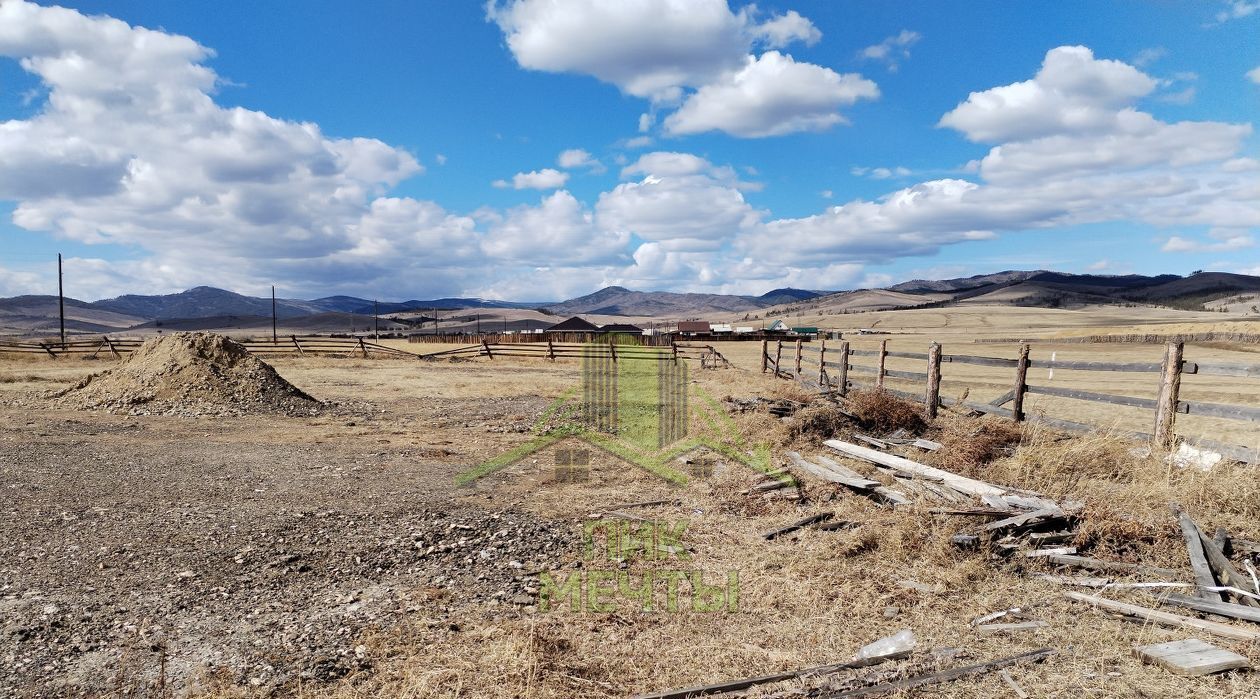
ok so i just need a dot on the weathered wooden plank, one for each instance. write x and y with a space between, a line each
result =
981 361
1198 560
800 524
844 477
1191 657
1199 604
911 375
1246 370
736 685
1225 571
1166 619
1147 403
945 675
1146 367
1024 519
993 629
877 443
1098 564
907 355
1229 412
953 480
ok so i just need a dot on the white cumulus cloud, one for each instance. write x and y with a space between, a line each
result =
546 178
893 50
772 95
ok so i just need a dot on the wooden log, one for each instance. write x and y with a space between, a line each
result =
778 355
1207 606
945 675
883 356
822 365
843 375
1198 560
953 480
765 355
1166 619
1169 387
933 396
1021 384
799 343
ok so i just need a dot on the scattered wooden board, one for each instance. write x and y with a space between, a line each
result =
812 519
850 479
991 629
970 486
1191 657
737 685
1166 619
1234 611
1116 566
1198 560
946 675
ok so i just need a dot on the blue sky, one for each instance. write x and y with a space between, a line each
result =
403 150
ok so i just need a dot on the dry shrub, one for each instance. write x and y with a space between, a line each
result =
883 412
817 422
967 445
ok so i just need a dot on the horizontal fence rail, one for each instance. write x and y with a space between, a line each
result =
829 367
283 345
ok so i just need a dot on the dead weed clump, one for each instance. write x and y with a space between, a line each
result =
883 412
817 422
968 445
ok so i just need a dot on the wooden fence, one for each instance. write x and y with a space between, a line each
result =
292 344
708 356
541 338
831 367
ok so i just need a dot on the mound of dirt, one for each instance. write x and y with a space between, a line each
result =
189 374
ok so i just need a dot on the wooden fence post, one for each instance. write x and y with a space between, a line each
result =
765 355
1021 384
883 356
363 347
822 365
1169 388
551 351
486 347
298 346
111 348
844 367
799 342
778 355
612 350
933 396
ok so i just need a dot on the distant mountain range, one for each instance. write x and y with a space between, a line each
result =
616 300
206 307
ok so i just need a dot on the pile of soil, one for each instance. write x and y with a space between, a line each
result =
189 374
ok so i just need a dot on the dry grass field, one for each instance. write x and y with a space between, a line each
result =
334 554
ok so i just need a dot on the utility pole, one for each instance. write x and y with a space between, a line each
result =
478 315
61 301
273 314
376 318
